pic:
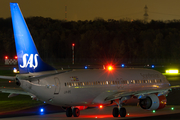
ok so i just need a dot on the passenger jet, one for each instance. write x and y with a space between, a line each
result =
82 87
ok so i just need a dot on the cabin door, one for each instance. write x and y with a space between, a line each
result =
57 85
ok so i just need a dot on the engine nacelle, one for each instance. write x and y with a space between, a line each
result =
153 102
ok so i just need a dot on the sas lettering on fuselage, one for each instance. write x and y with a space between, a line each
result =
149 76
30 61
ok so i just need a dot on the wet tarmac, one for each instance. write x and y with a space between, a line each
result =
133 112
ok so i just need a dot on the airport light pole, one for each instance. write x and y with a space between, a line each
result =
73 53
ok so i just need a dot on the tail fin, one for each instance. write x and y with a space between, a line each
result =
28 56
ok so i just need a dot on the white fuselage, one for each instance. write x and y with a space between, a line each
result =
86 87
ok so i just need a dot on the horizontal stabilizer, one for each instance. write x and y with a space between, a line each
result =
7 77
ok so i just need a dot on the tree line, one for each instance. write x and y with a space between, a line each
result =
97 38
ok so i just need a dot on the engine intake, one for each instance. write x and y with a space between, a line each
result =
153 102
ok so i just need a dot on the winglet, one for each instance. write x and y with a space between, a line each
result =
28 56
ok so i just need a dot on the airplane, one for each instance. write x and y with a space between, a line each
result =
81 88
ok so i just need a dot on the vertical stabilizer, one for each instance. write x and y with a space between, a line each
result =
28 56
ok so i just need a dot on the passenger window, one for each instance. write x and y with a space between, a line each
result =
98 83
115 82
106 82
134 81
91 83
122 82
131 81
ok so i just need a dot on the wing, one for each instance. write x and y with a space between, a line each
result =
140 94
14 91
8 77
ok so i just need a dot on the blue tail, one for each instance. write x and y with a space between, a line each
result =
28 56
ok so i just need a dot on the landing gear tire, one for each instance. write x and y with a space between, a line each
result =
122 112
76 112
115 112
69 112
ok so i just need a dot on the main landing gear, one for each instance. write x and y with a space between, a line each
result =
119 110
75 112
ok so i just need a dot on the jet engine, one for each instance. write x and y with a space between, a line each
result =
153 102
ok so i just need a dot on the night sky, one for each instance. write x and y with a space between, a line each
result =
91 9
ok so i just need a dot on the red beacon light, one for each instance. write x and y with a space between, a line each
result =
110 68
15 57
73 44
